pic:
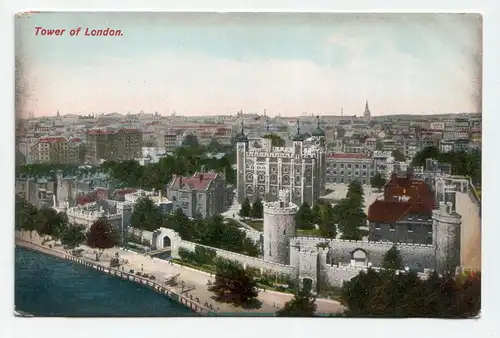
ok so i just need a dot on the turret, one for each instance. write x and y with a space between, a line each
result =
446 228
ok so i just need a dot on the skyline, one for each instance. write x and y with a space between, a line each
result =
283 62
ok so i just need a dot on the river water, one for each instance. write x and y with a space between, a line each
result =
49 286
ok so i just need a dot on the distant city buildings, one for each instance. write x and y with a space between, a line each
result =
113 144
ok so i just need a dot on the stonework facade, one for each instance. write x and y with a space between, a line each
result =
264 170
279 227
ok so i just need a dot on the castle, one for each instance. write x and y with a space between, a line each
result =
264 170
325 262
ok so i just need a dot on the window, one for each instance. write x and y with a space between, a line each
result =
357 166
335 165
410 227
429 229
364 173
335 172
364 166
341 165
357 173
349 166
391 227
377 226
342 172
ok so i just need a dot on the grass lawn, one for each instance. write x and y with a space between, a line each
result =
308 233
257 225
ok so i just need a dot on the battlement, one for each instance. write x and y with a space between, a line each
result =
297 240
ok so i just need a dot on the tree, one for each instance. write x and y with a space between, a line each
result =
381 294
304 217
102 236
49 222
146 215
257 208
303 304
398 156
190 141
324 217
392 259
25 215
233 284
276 141
246 208
73 236
377 181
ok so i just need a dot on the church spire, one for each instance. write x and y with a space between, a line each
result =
242 129
317 119
298 127
267 126
367 110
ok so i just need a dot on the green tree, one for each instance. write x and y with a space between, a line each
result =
257 208
304 217
246 208
51 223
233 284
377 181
398 156
73 236
392 259
276 141
146 215
381 294
303 304
102 235
25 215
190 141
327 221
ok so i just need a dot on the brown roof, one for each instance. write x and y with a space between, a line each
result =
387 211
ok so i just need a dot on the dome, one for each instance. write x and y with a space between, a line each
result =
318 132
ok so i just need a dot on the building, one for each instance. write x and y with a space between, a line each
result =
263 170
404 215
324 262
58 150
345 168
113 144
204 194
170 142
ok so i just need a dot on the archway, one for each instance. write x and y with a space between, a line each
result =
167 242
359 256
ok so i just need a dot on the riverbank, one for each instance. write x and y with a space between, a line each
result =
156 286
194 280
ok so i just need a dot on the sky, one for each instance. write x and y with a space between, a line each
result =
215 63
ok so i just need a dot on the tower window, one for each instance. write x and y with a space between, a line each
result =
391 227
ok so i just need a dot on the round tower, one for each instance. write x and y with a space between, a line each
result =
446 225
279 227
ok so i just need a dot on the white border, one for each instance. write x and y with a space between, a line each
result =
486 326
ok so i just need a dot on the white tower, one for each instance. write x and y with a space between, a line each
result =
279 227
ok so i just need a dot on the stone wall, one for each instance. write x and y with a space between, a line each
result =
266 267
470 248
142 234
415 256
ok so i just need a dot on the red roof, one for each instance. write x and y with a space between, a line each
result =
346 155
199 181
51 139
421 200
387 211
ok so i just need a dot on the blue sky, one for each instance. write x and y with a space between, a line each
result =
197 63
